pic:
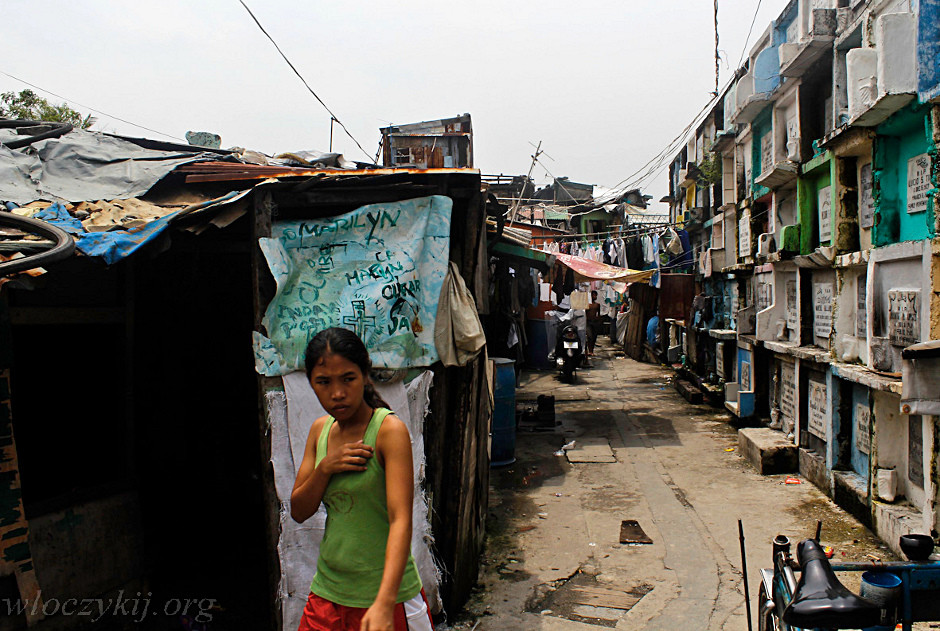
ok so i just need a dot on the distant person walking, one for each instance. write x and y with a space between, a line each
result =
594 323
357 461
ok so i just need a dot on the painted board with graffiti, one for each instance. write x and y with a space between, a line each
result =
377 270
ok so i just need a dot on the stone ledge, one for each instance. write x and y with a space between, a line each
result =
850 491
893 520
864 376
768 450
813 468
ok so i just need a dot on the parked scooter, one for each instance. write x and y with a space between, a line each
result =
568 352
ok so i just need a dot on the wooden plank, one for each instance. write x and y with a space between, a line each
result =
632 532
605 597
262 292
15 555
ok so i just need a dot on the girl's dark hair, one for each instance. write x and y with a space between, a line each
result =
347 345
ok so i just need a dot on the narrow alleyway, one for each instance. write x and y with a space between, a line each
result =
553 556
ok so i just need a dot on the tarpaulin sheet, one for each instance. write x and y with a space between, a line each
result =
587 270
84 166
114 245
377 270
111 246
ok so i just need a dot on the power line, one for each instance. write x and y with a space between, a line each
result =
655 164
304 81
746 39
87 107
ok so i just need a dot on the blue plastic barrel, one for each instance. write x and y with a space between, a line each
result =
540 335
504 415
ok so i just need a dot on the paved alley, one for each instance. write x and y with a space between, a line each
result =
553 556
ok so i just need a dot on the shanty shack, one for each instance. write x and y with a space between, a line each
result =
150 405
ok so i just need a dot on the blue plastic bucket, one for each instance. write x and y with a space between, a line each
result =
504 414
883 589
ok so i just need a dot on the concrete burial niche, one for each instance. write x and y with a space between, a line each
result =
902 168
817 406
778 306
898 311
850 317
898 444
824 295
816 200
739 395
786 395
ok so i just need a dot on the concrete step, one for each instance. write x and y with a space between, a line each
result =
768 450
689 391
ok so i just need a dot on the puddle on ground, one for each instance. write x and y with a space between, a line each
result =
581 598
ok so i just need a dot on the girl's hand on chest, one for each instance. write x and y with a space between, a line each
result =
347 457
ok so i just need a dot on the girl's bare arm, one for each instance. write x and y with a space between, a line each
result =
394 446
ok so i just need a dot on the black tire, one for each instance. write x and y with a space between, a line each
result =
768 621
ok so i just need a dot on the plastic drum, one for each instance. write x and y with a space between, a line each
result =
504 414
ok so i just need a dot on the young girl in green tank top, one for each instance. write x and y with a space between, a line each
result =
357 462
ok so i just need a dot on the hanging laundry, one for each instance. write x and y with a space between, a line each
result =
545 292
580 300
673 245
634 254
649 252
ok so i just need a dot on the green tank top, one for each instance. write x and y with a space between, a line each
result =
352 555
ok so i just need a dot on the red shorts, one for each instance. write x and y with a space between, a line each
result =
321 614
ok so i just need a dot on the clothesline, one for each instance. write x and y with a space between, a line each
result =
624 232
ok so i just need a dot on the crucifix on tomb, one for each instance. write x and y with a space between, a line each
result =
360 320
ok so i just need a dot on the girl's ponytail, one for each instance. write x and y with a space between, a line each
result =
372 397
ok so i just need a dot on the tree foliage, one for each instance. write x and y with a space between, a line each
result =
30 106
710 168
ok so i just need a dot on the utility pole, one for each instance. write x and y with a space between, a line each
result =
515 205
717 54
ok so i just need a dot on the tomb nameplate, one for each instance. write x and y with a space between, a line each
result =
793 315
863 428
825 214
765 294
818 417
861 308
744 234
822 309
788 390
866 203
766 153
915 450
904 316
918 183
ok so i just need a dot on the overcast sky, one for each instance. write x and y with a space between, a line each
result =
604 85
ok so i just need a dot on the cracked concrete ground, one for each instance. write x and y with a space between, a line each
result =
553 526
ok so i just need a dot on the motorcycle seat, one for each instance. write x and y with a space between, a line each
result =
820 600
